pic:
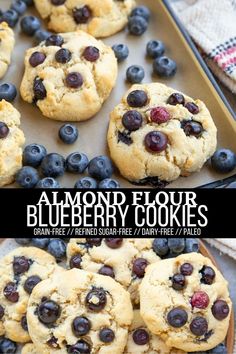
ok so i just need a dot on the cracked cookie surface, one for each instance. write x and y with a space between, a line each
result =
152 138
192 313
20 270
124 259
11 142
87 314
69 76
7 42
100 18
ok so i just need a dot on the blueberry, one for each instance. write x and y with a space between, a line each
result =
223 160
29 2
106 335
57 248
74 80
86 183
192 128
82 15
178 281
156 141
91 53
4 130
137 25
40 242
54 40
137 98
19 6
132 120
63 56
77 162
177 317
20 265
27 177
39 89
48 182
8 92
48 312
142 11
33 155
140 336
41 35
23 241
199 326
81 326
160 246
164 66
68 133
29 25
100 167
108 183
155 49
135 74
121 51
191 245
53 165
10 17
31 282
176 245
96 299
139 267
220 349
7 346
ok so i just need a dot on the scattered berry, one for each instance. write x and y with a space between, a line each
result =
29 25
135 74
155 49
86 183
7 346
53 165
100 167
8 92
191 245
57 248
176 245
142 11
23 241
223 160
41 35
19 6
41 242
77 162
10 17
164 67
220 349
137 25
47 183
27 177
108 183
33 155
160 246
68 133
121 51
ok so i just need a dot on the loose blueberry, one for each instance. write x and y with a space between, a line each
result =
19 6
137 25
53 165
81 326
33 155
177 317
2 312
220 349
8 92
191 245
77 162
155 49
27 177
41 35
192 128
40 242
54 40
31 282
82 14
107 271
63 56
200 300
223 160
24 323
137 98
108 183
23 241
68 133
10 17
114 242
74 80
20 265
176 98
81 347
160 246
10 292
208 275
75 261
7 346
36 59
159 115
139 267
39 89
164 67
58 2
4 130
57 248
106 335
86 183
48 312
96 300
100 167
29 25
142 11
178 281
91 53
199 326
140 336
121 51
156 141
132 120
176 245
186 269
192 107
135 74
220 310
48 183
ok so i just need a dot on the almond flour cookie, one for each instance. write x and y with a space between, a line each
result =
100 18
123 259
20 271
142 341
7 42
11 142
69 76
185 301
79 312
157 134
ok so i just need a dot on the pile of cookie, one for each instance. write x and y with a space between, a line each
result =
112 295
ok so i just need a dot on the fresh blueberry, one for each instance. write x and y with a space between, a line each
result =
155 49
164 66
33 155
57 248
160 246
191 245
77 162
100 167
29 2
135 74
109 183
23 241
10 17
7 346
27 177
137 98
86 183
41 35
142 11
8 92
40 242
220 349
137 25
29 25
176 245
68 133
47 183
121 51
53 165
223 160
19 6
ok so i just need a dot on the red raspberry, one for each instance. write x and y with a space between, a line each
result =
200 299
159 115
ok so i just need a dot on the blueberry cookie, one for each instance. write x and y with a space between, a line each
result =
20 271
69 76
142 341
100 18
11 142
123 259
79 312
185 300
157 134
7 42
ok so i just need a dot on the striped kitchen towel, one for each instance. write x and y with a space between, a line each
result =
225 245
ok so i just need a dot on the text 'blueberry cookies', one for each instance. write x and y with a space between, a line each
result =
100 18
157 134
185 300
69 76
7 42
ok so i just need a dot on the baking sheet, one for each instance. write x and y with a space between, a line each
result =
190 79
